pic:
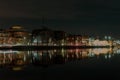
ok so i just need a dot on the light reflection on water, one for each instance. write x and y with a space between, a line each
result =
18 60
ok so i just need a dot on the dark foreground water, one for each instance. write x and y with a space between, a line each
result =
61 64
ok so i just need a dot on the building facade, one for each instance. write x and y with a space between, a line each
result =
42 37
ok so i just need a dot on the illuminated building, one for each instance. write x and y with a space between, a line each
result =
78 40
3 37
74 40
85 40
42 37
91 40
17 35
59 37
70 40
98 42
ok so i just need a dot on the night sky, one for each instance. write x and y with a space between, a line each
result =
92 17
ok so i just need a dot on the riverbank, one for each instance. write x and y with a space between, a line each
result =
49 47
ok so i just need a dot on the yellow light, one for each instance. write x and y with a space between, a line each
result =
16 68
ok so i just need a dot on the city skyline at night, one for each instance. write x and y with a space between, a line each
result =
19 36
59 39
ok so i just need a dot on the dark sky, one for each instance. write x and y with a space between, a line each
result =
93 17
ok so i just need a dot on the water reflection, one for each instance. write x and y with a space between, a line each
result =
15 60
18 60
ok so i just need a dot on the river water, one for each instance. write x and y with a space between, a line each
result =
59 64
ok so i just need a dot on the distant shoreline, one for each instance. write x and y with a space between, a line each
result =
50 47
